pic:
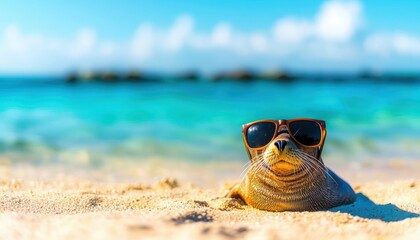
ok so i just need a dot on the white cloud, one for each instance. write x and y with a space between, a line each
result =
323 37
398 43
148 40
83 44
322 50
259 42
200 41
143 43
406 44
221 35
224 38
291 30
15 42
328 35
178 34
338 20
13 39
22 44
108 49
378 44
335 23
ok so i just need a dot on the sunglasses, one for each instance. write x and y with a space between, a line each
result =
305 131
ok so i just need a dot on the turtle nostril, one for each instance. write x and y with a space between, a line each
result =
281 144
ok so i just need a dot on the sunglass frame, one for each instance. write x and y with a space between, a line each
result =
287 123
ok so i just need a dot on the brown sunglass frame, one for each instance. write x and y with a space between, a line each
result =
279 123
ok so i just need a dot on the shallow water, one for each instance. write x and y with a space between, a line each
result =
98 124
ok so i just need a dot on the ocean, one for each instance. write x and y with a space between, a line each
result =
44 121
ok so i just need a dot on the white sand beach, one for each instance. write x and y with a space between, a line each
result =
75 207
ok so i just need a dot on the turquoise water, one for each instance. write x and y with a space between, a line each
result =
45 122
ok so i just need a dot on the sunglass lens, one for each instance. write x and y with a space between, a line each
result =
260 134
306 132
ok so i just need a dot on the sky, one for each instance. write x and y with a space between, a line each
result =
57 36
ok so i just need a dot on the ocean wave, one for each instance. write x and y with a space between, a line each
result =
96 125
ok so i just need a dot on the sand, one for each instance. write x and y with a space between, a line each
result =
74 207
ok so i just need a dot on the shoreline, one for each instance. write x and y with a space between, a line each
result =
72 206
204 174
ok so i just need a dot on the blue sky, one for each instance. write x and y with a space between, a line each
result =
59 36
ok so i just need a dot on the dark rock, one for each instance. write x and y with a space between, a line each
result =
243 75
81 77
277 76
134 76
141 77
219 76
370 75
390 77
109 77
240 75
72 78
189 75
88 76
